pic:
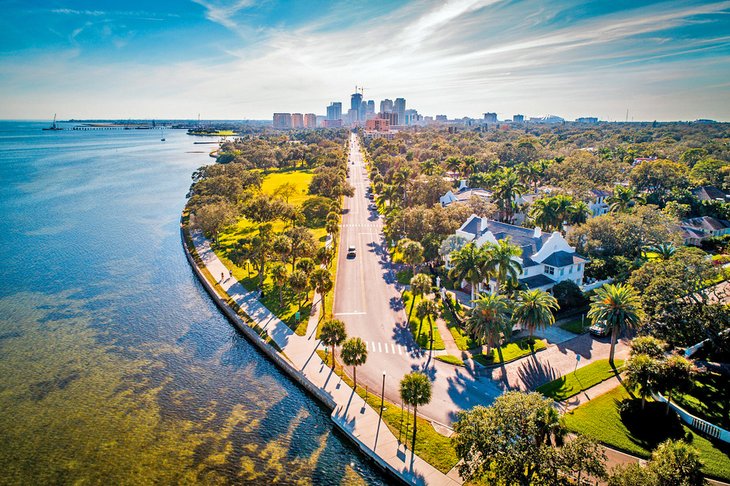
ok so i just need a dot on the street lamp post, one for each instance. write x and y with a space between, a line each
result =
382 395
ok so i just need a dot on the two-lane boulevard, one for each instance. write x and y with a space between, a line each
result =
368 300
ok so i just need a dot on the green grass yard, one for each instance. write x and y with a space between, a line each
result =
450 359
510 352
461 337
582 379
638 432
577 326
709 399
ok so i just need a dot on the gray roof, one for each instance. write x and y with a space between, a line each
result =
563 259
536 281
601 193
706 223
709 193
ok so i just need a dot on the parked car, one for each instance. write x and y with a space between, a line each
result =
351 251
599 329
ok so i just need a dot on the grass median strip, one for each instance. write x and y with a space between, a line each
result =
450 359
510 352
431 446
583 378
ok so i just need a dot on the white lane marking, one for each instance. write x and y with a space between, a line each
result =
373 343
379 349
393 347
353 313
400 349
366 346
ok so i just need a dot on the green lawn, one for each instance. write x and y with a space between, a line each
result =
450 359
639 432
582 379
431 446
462 339
577 326
510 352
244 228
420 330
709 399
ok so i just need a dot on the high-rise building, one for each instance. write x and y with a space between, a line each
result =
363 111
391 116
587 119
297 120
400 108
355 101
371 106
386 106
282 120
518 118
490 118
334 111
442 118
310 120
412 117
377 124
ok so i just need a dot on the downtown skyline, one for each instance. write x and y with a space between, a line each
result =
239 60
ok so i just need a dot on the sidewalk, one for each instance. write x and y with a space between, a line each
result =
352 414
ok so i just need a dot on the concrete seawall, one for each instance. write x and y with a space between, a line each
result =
280 360
252 336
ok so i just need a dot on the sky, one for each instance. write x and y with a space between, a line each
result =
245 59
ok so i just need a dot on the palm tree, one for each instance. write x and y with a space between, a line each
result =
333 334
664 250
354 353
578 213
534 309
280 275
499 262
332 228
468 165
509 187
412 253
415 390
544 213
299 284
261 251
619 307
453 164
420 285
306 265
642 372
623 199
427 309
322 283
489 320
467 265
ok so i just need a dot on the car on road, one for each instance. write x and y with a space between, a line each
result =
600 329
351 251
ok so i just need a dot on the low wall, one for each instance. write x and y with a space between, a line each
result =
702 425
283 364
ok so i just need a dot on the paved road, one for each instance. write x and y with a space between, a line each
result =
367 299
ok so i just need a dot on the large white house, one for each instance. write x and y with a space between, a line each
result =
546 258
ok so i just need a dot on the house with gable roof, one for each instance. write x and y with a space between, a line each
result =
546 258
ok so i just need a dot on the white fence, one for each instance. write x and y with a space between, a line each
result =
702 425
595 285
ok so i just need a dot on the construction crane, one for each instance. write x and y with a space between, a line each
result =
361 89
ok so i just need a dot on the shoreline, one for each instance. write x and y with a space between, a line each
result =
285 364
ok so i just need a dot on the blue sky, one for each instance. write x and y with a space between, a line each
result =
663 60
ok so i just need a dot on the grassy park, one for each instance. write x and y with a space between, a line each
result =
616 419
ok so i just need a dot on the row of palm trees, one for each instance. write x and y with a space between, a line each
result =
415 387
550 213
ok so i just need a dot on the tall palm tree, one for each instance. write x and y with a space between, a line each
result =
280 275
623 199
415 390
420 285
489 320
468 165
428 310
534 309
354 353
453 164
333 334
467 265
321 282
508 188
299 284
544 213
499 262
619 307
578 213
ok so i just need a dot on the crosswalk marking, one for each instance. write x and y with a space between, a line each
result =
400 349
379 350
389 348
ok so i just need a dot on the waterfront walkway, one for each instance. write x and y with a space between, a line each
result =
351 413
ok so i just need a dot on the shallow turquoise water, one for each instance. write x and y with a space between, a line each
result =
115 367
